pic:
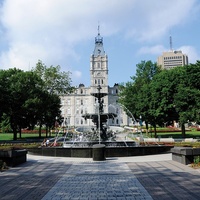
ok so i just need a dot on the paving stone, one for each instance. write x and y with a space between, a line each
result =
147 177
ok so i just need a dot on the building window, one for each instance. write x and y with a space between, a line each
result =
77 111
68 111
77 102
102 81
98 65
81 91
68 120
68 102
98 81
117 110
81 101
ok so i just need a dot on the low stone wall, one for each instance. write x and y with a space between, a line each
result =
87 152
13 157
185 155
169 140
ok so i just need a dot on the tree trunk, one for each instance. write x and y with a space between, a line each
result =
14 134
20 133
46 131
183 129
14 128
40 130
155 131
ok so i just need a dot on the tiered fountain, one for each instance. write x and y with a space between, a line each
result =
100 134
84 147
100 118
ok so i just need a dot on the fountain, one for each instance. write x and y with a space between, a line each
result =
87 137
100 118
97 142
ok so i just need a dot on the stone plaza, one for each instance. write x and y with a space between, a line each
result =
124 178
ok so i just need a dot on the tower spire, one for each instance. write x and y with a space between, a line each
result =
98 29
98 38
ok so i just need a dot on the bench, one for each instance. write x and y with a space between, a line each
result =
13 157
184 155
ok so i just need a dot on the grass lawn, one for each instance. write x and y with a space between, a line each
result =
9 136
189 134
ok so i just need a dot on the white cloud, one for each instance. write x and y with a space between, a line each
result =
50 30
193 54
153 50
154 18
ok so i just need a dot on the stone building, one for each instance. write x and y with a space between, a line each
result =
81 101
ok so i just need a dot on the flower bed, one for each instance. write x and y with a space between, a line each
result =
32 131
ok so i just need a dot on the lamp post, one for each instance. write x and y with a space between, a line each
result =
140 122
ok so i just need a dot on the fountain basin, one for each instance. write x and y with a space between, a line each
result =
87 152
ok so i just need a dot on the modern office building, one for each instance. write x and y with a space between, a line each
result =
81 102
172 59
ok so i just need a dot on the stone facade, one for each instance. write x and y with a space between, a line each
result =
172 59
81 101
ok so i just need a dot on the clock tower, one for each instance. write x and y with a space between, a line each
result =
99 66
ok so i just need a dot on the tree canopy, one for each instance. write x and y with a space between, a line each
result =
32 98
164 95
55 81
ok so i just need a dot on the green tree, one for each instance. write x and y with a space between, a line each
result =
135 94
55 81
163 88
24 89
25 101
175 94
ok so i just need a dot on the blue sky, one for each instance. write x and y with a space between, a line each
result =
62 33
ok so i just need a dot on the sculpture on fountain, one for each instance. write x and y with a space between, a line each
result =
100 118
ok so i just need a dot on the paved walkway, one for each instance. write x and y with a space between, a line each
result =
127 178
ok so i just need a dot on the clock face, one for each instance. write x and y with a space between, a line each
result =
98 74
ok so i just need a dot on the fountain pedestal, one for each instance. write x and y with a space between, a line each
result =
98 152
100 118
